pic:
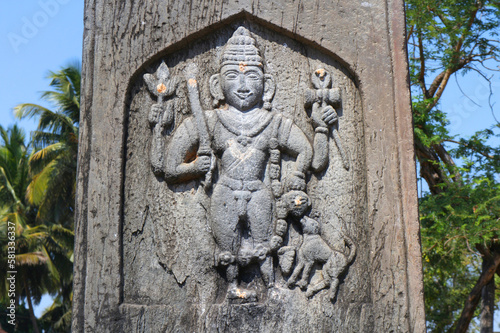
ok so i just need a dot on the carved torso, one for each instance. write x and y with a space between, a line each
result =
242 142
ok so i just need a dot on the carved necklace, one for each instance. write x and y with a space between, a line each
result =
244 137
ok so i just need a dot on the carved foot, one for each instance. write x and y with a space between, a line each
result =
333 290
302 284
240 295
310 292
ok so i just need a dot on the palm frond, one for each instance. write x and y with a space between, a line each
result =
31 259
55 122
29 110
43 139
43 157
37 189
4 181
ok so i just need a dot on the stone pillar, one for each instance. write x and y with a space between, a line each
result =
246 166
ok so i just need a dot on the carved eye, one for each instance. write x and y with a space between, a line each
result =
253 76
231 76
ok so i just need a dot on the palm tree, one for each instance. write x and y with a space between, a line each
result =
52 188
54 165
31 277
43 251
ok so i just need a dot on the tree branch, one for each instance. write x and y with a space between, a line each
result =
421 75
470 147
435 84
410 33
462 324
456 63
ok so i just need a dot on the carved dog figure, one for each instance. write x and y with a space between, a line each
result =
315 250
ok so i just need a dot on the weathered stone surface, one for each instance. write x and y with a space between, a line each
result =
147 257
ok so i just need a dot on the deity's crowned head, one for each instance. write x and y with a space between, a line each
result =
241 50
241 82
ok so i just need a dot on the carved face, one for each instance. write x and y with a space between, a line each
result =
242 85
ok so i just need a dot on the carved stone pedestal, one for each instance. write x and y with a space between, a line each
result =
246 167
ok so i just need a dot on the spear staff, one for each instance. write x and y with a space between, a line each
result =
204 148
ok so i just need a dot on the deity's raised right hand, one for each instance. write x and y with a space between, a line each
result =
161 113
155 114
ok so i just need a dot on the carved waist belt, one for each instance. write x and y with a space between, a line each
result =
241 185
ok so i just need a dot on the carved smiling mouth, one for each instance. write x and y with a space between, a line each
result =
243 95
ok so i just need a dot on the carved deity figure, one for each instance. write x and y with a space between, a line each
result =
242 142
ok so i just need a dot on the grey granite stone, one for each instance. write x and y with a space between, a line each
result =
246 167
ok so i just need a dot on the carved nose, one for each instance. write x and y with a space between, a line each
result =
243 84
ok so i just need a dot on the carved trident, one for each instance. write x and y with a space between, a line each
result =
328 98
162 86
161 114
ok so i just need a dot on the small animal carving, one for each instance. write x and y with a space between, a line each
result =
315 250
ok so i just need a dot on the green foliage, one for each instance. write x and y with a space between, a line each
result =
53 166
460 216
23 323
455 33
57 318
454 223
37 187
52 188
429 126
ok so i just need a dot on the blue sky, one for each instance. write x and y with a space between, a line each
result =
35 37
38 36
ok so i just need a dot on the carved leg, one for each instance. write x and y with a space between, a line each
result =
267 271
224 220
260 216
260 223
295 275
334 289
331 272
323 284
232 275
305 275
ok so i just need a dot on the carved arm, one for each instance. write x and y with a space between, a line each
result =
298 146
182 161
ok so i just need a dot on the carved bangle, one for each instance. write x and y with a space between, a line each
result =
321 129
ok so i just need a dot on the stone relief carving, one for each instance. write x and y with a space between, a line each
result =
315 250
237 151
161 115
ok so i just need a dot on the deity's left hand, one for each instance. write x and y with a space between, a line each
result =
323 116
295 182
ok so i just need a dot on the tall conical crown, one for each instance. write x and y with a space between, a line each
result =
240 48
